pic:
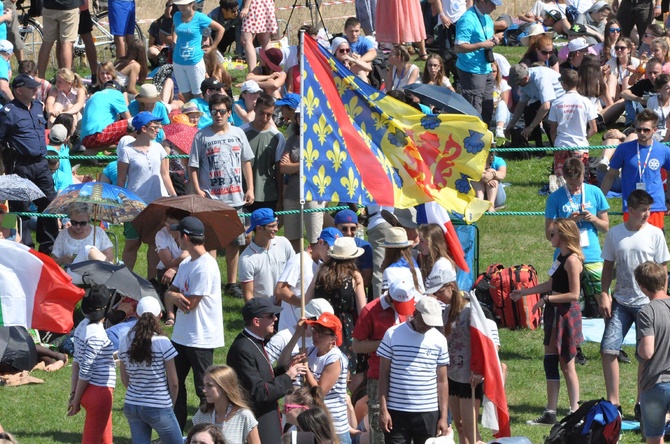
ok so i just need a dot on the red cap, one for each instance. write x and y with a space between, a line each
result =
332 322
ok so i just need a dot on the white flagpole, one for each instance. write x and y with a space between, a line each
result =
301 47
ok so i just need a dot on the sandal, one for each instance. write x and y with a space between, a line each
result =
421 57
169 322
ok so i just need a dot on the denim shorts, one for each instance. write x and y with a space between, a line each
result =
653 404
617 327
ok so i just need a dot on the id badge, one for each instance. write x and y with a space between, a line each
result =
554 267
640 186
583 238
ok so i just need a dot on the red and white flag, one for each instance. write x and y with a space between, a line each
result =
34 291
434 213
484 361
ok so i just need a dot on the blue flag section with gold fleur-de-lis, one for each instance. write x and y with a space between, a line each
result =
364 147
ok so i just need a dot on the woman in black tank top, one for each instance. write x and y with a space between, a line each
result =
562 316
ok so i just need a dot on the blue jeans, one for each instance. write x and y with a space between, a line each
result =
617 327
653 404
632 108
143 419
345 438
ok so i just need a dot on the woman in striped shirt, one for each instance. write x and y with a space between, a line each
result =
327 368
93 371
149 374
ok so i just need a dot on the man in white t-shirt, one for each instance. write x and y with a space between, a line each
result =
264 259
448 13
220 158
568 119
413 386
288 288
198 328
626 246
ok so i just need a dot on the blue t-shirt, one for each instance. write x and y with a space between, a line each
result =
473 27
5 68
159 111
101 110
237 120
365 261
497 163
203 106
189 38
626 158
362 45
61 180
559 206
3 26
111 171
65 166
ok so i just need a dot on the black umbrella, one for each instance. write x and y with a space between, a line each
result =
115 277
17 348
443 98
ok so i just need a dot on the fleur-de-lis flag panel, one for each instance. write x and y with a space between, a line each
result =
363 147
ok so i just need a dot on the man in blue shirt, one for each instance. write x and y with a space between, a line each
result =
360 45
22 126
474 45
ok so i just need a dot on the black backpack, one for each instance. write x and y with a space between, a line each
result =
380 65
595 422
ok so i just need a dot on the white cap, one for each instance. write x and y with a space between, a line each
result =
431 311
149 304
443 272
250 86
315 308
577 44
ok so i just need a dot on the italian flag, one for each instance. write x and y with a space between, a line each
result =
34 291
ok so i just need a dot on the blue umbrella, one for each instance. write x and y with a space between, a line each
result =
110 203
443 98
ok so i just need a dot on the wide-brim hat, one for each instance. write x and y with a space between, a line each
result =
536 29
344 248
273 58
396 237
148 94
191 107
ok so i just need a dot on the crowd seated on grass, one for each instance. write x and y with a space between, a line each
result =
586 69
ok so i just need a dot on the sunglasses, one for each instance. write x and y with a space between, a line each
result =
650 35
221 112
546 52
620 48
344 51
346 229
643 130
78 223
614 30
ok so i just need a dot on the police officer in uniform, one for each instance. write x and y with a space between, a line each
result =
22 126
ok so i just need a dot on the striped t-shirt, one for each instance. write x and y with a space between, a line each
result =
335 400
93 352
414 360
148 384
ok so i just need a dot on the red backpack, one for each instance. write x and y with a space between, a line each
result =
515 314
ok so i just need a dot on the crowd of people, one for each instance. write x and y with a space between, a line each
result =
382 350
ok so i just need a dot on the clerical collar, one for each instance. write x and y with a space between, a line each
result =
250 333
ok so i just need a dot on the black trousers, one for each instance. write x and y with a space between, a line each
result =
189 358
529 114
638 15
412 427
37 171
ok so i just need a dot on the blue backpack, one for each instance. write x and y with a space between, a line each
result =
512 35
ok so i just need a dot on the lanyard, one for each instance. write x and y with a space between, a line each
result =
581 207
399 78
641 170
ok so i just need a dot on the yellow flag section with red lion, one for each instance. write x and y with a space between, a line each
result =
364 147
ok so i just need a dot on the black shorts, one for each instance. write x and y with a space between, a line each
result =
85 22
461 390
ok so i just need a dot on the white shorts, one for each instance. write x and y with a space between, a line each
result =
189 77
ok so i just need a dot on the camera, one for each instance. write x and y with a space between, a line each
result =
488 55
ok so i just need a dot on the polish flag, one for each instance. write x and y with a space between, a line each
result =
34 291
433 213
484 361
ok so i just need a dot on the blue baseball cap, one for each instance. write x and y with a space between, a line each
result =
143 119
292 100
260 217
329 235
346 217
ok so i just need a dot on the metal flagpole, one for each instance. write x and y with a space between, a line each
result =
301 47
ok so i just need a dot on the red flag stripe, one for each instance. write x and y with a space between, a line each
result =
372 173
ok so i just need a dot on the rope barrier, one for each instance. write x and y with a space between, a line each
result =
278 213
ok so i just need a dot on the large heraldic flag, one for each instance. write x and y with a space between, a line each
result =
364 147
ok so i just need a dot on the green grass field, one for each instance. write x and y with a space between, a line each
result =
37 413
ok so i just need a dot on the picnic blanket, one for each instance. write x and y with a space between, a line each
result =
593 328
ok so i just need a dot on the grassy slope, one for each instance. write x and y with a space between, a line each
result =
36 413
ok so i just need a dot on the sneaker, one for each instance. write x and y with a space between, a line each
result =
638 412
548 418
603 165
500 132
234 290
580 359
623 357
